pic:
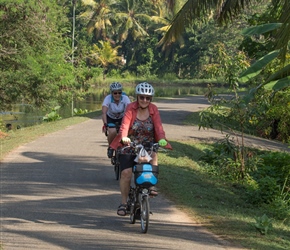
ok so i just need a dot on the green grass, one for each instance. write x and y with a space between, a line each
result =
220 205
217 204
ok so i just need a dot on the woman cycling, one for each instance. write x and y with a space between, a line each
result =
113 109
141 124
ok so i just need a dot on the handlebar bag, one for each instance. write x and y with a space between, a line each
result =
145 174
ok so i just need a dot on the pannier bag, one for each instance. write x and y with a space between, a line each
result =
145 175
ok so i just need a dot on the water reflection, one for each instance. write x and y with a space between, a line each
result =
24 115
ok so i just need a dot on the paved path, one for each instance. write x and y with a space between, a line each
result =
59 192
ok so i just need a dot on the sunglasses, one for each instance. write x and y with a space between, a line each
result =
147 98
117 93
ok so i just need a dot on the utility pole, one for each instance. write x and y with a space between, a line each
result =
73 30
73 49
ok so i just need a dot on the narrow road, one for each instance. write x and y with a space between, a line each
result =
59 192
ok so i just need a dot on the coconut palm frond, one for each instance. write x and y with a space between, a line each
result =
91 3
162 29
92 22
284 32
160 20
180 21
194 10
229 8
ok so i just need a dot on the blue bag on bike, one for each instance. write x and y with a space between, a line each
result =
145 175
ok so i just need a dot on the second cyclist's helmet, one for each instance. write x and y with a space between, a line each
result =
115 86
144 88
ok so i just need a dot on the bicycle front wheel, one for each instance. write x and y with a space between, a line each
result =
144 214
133 216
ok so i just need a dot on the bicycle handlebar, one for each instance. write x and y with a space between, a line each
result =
138 147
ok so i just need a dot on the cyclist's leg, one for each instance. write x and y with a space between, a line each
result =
153 190
111 133
112 130
126 165
125 181
154 160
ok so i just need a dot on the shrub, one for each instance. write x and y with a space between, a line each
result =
53 115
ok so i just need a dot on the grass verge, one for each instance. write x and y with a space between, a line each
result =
217 204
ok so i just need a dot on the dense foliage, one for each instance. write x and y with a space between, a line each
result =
50 49
266 177
33 53
53 51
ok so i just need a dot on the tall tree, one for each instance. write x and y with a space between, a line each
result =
33 66
130 20
97 16
105 55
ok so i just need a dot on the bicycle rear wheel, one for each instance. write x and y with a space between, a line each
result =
117 170
144 214
116 165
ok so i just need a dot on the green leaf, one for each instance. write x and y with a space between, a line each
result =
250 96
257 67
261 29
279 84
280 74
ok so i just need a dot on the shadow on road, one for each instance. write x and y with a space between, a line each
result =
70 202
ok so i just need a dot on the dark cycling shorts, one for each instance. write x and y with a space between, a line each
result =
110 120
126 161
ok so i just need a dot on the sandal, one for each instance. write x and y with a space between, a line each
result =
122 210
153 192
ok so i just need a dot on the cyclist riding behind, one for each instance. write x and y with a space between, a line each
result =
141 124
113 109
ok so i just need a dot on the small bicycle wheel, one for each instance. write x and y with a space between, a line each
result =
144 214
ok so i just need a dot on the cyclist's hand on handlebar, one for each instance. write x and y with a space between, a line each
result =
126 140
162 143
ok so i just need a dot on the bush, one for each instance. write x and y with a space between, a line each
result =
53 115
264 190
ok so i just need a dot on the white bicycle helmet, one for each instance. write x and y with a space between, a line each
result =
115 86
144 88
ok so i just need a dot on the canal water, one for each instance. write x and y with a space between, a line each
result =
24 115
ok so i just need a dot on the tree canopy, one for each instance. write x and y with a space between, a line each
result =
49 49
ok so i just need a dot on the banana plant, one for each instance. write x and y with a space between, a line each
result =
279 79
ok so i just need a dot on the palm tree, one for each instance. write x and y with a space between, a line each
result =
105 55
130 20
224 11
134 20
98 16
